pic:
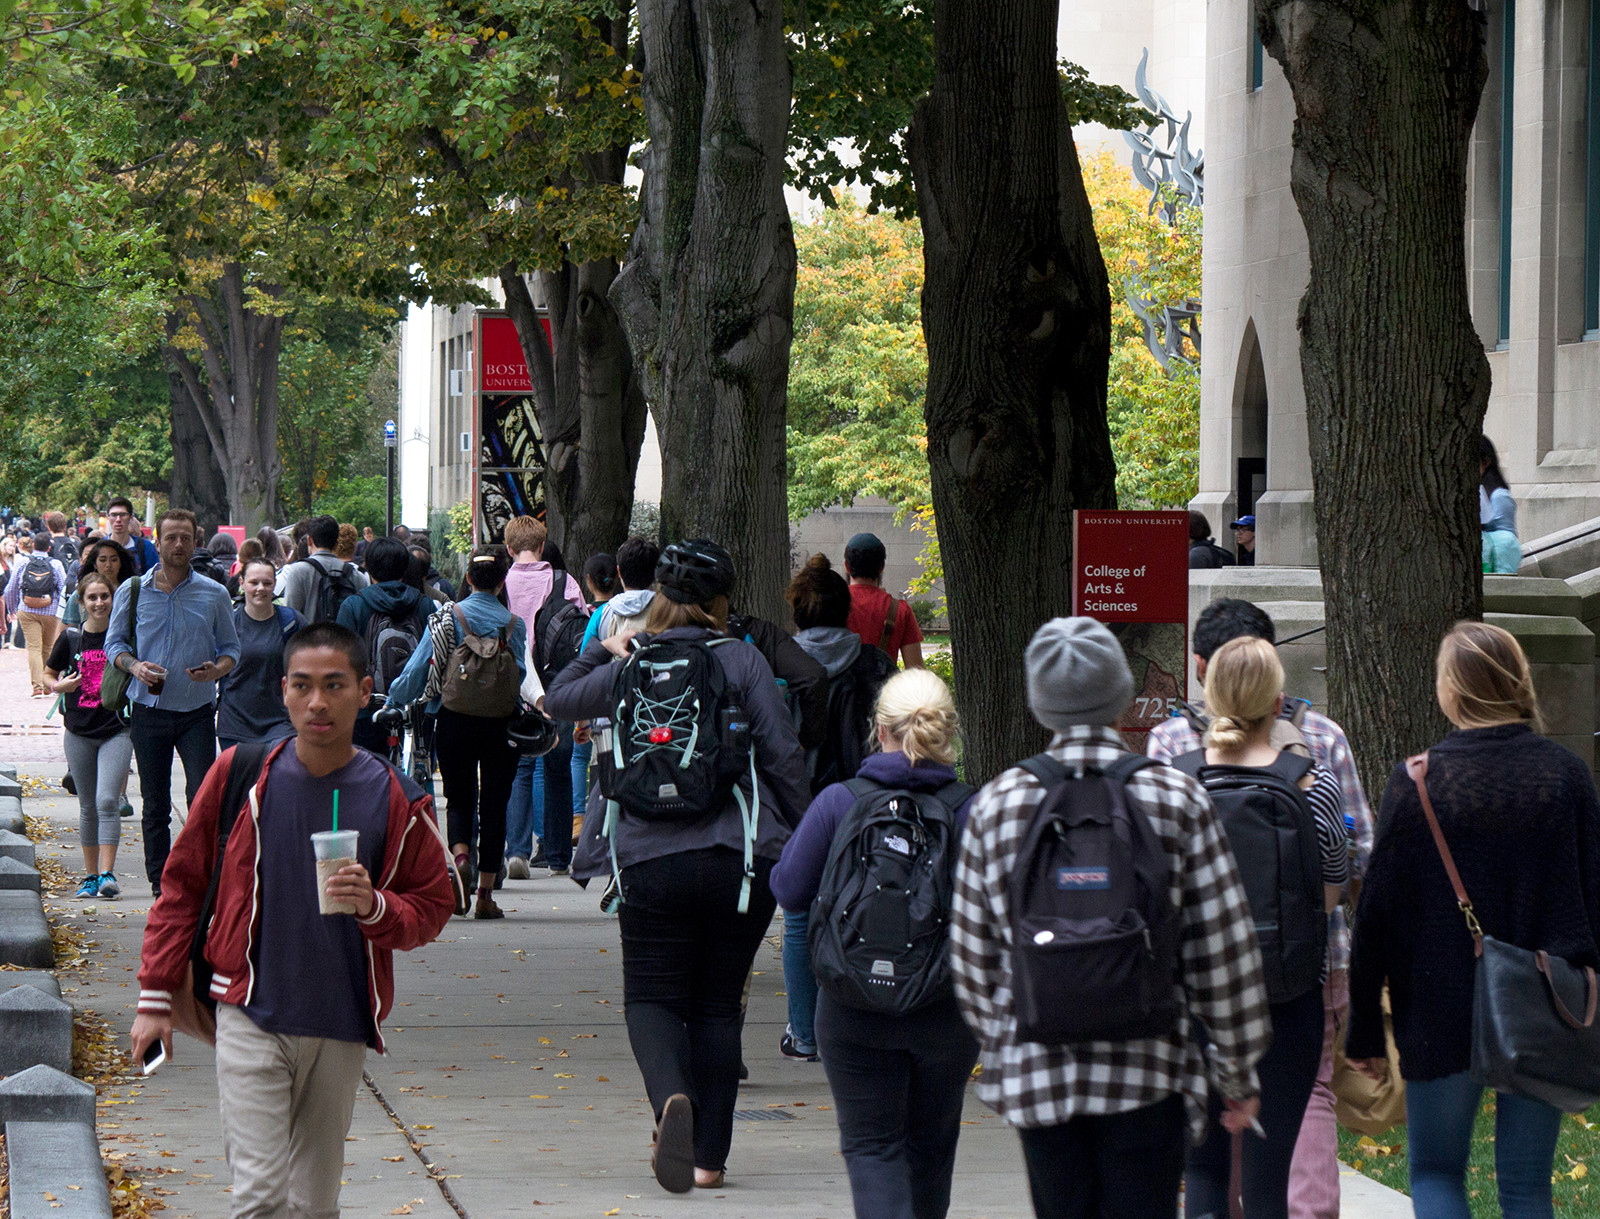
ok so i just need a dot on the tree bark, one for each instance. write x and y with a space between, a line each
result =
1017 314
706 296
588 402
1386 93
196 481
237 402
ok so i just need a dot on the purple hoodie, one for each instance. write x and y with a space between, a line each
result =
798 874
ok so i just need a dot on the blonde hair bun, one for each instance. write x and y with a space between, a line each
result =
916 711
1244 678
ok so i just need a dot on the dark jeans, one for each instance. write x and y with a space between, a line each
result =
1288 1071
685 954
557 837
1117 1166
477 764
1440 1114
898 1084
157 733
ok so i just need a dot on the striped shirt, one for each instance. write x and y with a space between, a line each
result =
1328 746
1042 1085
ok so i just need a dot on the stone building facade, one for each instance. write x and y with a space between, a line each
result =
1533 251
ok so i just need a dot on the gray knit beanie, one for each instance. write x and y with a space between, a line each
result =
1077 675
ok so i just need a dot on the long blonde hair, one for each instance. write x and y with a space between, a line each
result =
1484 679
915 709
1243 680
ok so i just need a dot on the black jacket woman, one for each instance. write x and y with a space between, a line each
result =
1521 819
687 938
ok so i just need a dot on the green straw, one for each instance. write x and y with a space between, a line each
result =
336 810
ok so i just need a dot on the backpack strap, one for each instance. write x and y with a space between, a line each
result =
1294 710
1195 718
888 622
286 622
1046 769
243 773
1189 763
954 794
1291 767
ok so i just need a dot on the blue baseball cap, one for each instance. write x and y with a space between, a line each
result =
1244 522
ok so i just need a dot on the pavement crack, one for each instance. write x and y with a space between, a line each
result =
435 1173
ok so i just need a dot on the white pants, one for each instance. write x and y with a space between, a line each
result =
286 1108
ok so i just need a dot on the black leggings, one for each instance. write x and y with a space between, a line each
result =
1288 1071
477 764
686 951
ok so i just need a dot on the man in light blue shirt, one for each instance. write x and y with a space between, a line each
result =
182 642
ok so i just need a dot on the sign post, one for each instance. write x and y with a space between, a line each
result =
1130 570
389 445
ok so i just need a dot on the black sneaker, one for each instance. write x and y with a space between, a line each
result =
790 1047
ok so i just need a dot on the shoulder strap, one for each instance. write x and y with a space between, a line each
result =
133 616
954 794
862 787
285 621
1189 763
1417 768
460 621
1045 769
1194 716
1291 766
888 623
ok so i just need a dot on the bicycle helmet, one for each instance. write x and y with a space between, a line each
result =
532 734
695 572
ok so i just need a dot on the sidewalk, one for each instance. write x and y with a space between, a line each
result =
508 1074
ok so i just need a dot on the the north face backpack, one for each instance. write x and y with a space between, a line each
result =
1273 835
1094 935
332 591
678 743
851 697
879 925
390 639
39 585
558 629
481 677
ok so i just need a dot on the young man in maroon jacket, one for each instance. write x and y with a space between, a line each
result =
300 995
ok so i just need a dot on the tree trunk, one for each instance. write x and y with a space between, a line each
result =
238 400
1017 314
1386 93
196 481
707 294
588 401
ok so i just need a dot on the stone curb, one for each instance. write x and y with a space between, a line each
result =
39 978
44 1094
11 814
16 846
24 932
35 1027
56 1172
14 875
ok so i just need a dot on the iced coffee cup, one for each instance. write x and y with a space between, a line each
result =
334 849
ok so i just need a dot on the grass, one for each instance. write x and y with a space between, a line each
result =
1577 1192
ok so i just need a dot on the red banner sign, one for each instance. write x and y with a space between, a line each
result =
1130 570
502 368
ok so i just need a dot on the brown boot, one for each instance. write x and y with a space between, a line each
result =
485 907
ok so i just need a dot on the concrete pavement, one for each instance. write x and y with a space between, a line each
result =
509 1083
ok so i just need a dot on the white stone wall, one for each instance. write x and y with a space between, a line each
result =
1543 412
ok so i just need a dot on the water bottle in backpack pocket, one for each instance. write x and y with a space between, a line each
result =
1094 934
879 923
1272 833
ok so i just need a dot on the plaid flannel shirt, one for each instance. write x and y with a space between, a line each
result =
1040 1085
1328 746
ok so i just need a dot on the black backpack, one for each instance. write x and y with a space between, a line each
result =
851 697
679 745
1273 835
1095 937
879 923
243 771
558 629
332 591
390 639
64 549
39 578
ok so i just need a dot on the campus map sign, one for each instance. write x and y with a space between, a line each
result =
1130 570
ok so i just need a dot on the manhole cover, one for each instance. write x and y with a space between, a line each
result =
762 1115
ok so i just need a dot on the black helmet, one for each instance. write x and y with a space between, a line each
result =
695 572
532 734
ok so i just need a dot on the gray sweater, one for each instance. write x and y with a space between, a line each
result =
583 690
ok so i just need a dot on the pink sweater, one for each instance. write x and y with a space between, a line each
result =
528 584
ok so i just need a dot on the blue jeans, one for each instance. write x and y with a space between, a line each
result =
798 980
557 834
580 776
525 812
1440 1113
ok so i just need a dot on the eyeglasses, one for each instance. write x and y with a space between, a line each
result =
117 513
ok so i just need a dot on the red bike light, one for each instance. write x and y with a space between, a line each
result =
660 736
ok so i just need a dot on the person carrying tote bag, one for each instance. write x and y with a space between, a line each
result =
1519 820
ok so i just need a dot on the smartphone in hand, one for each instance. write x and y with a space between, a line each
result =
154 1055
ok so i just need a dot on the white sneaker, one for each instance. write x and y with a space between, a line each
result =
517 868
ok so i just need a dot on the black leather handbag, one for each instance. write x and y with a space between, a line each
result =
1526 1037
